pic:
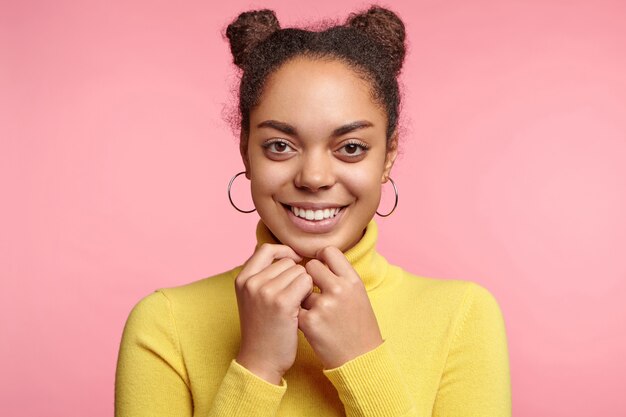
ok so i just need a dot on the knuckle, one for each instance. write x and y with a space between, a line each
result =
265 248
239 281
250 286
265 292
326 303
312 319
354 281
281 304
336 290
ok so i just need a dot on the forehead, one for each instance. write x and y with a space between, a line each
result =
305 92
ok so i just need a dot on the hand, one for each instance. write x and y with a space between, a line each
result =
339 322
268 298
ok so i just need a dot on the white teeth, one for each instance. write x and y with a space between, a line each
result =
309 214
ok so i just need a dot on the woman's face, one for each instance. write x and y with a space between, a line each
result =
317 145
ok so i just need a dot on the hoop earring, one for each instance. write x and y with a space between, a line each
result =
395 204
229 197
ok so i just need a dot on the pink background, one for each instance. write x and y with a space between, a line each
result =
116 156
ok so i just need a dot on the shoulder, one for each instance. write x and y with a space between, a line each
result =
451 289
479 301
191 298
479 319
468 312
205 289
455 298
468 299
439 291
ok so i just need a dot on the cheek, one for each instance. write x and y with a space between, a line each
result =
364 184
264 185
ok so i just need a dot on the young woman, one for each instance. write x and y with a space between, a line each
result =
316 322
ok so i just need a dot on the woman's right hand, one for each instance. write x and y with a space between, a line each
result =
269 295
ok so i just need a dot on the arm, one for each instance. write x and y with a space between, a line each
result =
340 323
243 394
475 380
151 377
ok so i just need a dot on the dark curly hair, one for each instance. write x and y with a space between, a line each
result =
371 42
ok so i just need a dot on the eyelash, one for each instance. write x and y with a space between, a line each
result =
364 147
271 142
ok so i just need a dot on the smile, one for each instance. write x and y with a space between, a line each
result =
319 214
317 219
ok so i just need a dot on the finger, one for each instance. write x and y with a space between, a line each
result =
322 276
299 288
265 255
268 274
282 280
310 301
276 268
336 261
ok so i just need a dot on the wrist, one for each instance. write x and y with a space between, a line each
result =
336 362
261 371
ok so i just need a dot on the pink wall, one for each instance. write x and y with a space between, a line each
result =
116 156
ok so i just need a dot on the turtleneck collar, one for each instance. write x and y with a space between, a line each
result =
366 261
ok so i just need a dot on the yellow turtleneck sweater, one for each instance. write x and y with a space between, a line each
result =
444 353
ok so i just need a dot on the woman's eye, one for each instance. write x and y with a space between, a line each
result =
352 149
278 146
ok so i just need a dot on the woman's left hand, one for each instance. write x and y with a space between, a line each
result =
339 322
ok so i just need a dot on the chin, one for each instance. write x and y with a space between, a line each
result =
308 247
304 248
307 253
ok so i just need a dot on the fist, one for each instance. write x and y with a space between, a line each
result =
339 322
269 295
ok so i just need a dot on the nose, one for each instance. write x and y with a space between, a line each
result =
315 171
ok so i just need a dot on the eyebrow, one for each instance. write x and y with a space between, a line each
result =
290 130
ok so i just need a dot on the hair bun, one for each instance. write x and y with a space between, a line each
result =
248 30
385 27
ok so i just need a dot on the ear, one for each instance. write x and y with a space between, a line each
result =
243 150
390 157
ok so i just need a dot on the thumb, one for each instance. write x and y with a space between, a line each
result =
302 315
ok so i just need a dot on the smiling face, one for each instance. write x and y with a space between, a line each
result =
317 155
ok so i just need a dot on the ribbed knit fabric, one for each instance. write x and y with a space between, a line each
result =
444 352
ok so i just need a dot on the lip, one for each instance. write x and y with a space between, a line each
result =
314 206
310 226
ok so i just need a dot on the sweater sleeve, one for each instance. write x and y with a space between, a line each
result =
243 394
371 385
475 380
151 377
